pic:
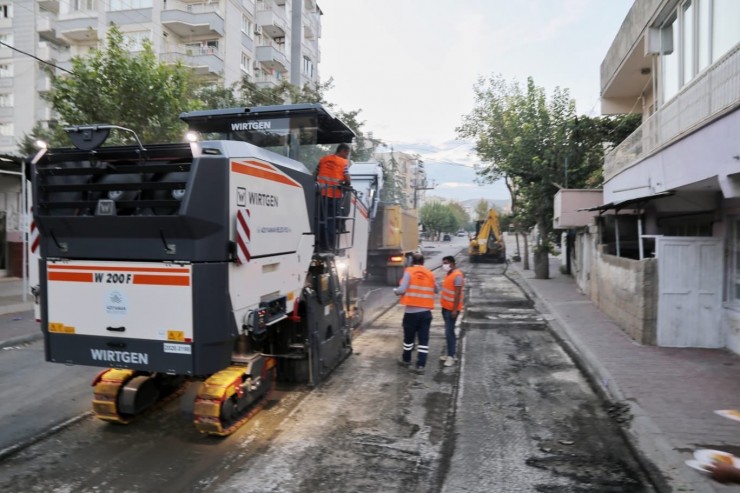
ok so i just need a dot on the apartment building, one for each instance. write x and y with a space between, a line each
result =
220 40
663 256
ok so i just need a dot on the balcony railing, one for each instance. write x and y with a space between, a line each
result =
710 94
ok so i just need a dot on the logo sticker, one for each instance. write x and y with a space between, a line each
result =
116 303
177 348
241 196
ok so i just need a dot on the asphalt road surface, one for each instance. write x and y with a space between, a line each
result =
514 415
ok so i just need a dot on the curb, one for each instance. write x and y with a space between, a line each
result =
650 445
20 340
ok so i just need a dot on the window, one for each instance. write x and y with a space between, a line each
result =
6 129
6 70
6 100
246 25
734 291
7 39
670 82
6 10
725 27
76 5
130 4
246 63
135 40
687 41
307 67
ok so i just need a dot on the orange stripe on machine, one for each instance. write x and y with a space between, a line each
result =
162 280
118 268
71 276
262 171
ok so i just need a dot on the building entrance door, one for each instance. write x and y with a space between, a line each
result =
689 292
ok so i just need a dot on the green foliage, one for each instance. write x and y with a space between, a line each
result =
437 217
481 210
537 145
392 191
133 90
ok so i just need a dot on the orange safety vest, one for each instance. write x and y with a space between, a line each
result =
420 292
331 175
447 298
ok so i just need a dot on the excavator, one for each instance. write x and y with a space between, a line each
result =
192 262
487 245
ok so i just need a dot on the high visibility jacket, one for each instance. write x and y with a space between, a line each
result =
447 298
420 292
331 175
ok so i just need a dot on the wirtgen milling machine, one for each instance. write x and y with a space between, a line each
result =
194 260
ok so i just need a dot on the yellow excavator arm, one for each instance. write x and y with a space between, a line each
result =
488 242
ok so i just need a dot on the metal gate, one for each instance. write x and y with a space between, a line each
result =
690 292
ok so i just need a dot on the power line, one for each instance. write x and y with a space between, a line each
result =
37 58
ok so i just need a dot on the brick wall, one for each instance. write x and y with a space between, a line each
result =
627 291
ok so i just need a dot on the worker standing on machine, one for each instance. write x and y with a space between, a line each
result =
331 175
417 290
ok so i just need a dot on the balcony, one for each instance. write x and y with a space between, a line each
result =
271 19
203 61
49 5
272 57
78 29
709 95
51 52
43 83
193 19
265 80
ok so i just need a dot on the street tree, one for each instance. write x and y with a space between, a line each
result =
392 191
481 209
537 145
112 85
437 217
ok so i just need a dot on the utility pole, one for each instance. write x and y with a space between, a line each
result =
419 186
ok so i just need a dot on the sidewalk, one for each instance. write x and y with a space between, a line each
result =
17 323
672 392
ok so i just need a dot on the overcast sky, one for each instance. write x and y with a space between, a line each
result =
410 66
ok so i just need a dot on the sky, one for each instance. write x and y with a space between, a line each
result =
410 67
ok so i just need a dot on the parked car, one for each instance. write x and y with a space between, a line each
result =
462 233
446 237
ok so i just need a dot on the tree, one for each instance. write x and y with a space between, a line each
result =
133 90
523 137
437 217
392 191
481 209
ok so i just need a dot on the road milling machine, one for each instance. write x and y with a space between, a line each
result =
487 245
192 261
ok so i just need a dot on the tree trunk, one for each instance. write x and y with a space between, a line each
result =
525 266
541 265
542 255
517 257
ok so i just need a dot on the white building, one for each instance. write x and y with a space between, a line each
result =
663 257
221 40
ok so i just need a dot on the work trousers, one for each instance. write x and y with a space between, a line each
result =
450 331
416 326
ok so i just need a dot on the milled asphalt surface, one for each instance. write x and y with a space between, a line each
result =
671 392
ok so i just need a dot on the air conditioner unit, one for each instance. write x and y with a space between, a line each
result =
257 29
256 66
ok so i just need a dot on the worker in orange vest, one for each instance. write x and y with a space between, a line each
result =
451 300
417 290
332 174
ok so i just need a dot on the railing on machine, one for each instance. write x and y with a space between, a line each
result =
335 216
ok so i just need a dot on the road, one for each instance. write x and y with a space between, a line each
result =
515 415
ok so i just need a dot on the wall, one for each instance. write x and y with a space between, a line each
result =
627 291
